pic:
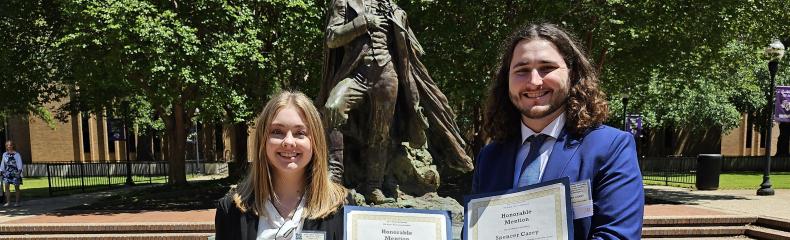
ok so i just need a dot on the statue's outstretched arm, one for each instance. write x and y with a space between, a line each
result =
339 33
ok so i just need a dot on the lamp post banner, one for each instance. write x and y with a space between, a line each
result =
115 129
782 104
635 125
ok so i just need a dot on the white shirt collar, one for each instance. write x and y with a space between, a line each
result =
271 222
553 129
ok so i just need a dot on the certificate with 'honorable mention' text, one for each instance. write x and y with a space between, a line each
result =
540 211
362 223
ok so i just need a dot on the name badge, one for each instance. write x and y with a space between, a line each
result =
311 235
581 199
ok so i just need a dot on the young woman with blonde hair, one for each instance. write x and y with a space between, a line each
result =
288 189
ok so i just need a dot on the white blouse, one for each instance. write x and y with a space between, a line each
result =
271 222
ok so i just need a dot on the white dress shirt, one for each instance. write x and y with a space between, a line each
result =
553 130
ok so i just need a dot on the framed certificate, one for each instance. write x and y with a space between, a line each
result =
363 223
540 211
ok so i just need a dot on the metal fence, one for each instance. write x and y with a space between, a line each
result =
669 170
754 164
682 170
84 177
192 167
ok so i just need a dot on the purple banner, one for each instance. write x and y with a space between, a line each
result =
115 130
635 125
782 104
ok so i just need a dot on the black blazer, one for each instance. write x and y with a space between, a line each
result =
231 224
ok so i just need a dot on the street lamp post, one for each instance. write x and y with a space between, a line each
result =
774 52
126 113
129 181
625 96
197 142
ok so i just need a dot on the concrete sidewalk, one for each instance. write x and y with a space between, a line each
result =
49 210
735 202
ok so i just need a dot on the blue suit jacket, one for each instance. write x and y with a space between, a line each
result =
604 155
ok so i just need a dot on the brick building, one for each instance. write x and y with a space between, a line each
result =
86 137
744 140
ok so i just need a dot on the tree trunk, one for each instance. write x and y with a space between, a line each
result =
176 134
783 141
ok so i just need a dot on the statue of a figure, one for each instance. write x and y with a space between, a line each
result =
377 94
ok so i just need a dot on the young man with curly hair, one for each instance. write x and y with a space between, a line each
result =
544 116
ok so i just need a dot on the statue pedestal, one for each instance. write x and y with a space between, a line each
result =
409 171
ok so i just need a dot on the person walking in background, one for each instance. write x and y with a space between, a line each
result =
288 188
545 117
11 170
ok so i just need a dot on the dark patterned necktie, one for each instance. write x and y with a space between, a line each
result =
530 169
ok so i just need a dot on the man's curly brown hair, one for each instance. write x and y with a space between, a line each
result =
585 107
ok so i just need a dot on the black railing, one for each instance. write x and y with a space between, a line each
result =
84 177
669 170
754 164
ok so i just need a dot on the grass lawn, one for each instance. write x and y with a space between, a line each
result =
752 180
38 187
744 180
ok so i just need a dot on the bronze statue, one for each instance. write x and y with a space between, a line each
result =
377 94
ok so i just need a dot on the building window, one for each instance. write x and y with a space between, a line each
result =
132 141
668 137
157 144
111 128
3 136
110 145
762 137
86 133
218 144
749 131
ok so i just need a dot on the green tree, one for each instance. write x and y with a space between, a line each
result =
683 63
170 59
29 65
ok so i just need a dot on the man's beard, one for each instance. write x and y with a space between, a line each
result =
554 106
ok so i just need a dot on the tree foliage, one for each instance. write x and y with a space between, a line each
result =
682 63
170 58
29 65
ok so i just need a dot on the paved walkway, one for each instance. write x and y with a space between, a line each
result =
739 202
47 210
686 203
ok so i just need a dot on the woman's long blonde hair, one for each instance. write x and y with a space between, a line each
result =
322 196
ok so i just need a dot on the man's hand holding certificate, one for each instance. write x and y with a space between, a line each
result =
540 211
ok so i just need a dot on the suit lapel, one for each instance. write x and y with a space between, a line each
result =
510 148
564 150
